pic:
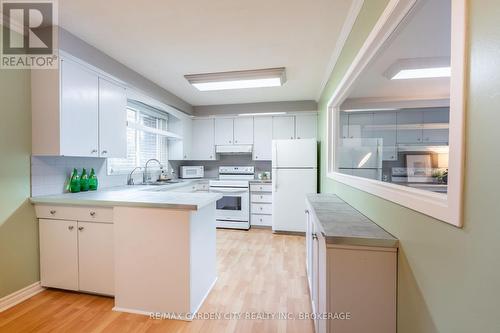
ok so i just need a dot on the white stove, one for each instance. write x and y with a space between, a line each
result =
233 210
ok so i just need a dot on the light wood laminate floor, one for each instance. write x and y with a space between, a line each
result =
259 272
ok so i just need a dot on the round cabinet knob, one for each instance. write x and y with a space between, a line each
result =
260 208
92 214
104 151
80 228
314 236
70 227
93 151
256 157
52 212
235 141
298 137
291 138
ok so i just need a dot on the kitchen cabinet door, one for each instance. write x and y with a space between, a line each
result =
203 144
309 244
436 126
284 128
58 254
79 111
181 149
112 120
263 138
305 126
243 130
224 131
95 255
384 127
409 126
359 125
344 125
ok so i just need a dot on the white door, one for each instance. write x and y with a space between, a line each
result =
438 120
203 147
112 120
224 130
305 126
263 138
243 130
58 254
284 128
295 153
409 126
79 111
290 187
95 255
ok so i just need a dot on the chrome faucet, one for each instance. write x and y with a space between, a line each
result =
130 180
146 178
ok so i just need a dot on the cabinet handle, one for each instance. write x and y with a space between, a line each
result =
291 138
80 228
315 236
71 227
230 141
235 141
211 156
52 212
92 214
185 156
94 151
256 157
104 151
298 137
306 211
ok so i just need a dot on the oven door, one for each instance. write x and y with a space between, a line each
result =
234 205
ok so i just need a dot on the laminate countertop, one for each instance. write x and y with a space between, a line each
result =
344 225
136 196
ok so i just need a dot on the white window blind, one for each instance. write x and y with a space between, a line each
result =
144 140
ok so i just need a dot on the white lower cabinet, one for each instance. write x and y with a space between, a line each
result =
95 257
58 254
76 255
261 206
350 281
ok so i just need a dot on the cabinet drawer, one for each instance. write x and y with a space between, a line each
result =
261 197
75 213
262 208
261 187
265 220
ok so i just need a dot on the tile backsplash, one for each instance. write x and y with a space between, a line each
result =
50 173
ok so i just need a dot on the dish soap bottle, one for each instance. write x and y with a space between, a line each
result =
74 184
84 181
93 182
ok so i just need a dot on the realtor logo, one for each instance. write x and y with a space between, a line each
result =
28 32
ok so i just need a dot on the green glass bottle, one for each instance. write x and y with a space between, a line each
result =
93 182
74 185
84 181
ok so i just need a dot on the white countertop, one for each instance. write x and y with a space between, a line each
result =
136 196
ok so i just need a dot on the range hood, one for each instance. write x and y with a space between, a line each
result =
234 149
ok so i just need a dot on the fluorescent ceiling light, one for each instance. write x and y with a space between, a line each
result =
261 114
422 73
271 77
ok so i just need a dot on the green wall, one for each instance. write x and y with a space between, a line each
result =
449 278
18 227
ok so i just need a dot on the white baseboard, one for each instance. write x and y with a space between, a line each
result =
20 295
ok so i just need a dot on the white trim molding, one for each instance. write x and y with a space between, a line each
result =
20 296
445 207
349 22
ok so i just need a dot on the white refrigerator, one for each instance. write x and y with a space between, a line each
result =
294 174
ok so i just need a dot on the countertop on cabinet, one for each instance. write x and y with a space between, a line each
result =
133 196
344 225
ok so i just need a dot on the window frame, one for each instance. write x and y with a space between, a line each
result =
444 207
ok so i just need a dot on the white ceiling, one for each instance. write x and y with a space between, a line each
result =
427 33
164 40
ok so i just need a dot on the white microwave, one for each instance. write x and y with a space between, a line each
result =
191 172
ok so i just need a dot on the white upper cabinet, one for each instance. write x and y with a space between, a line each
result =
112 120
284 128
79 111
243 130
203 140
409 126
384 127
263 137
436 126
180 149
360 125
306 126
223 131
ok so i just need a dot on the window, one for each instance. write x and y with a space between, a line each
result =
146 139
395 122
